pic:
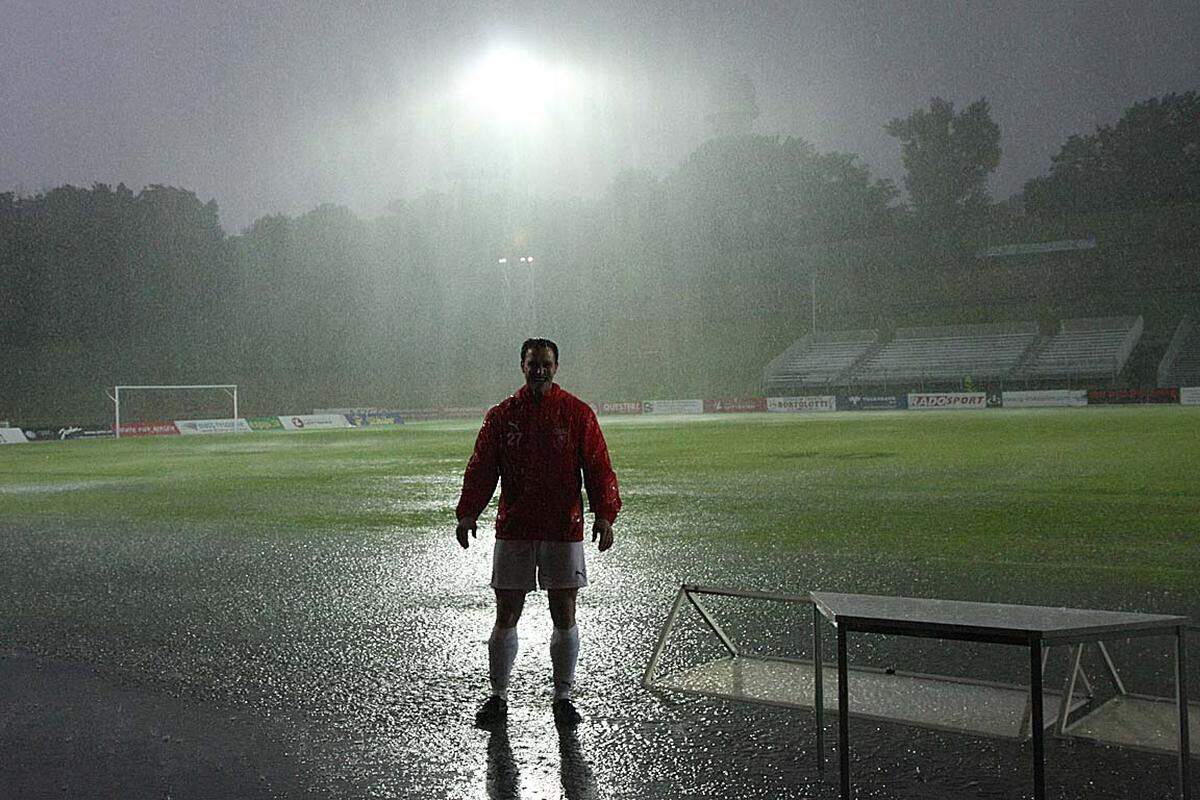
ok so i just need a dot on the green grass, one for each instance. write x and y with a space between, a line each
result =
1094 490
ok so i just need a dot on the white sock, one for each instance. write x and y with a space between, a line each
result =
564 652
502 652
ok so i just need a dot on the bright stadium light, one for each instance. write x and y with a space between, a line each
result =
513 84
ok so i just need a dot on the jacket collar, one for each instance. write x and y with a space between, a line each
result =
526 394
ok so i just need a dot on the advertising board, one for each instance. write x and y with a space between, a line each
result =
922 401
825 402
877 402
264 423
735 405
1110 397
375 418
1046 398
312 422
63 432
191 427
626 407
461 412
12 436
444 412
148 429
420 414
672 406
1190 395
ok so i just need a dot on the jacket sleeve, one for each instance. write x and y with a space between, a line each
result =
604 498
483 470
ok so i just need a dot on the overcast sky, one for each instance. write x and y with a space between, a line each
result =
276 107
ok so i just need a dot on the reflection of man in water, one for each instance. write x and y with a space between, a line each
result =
537 443
503 781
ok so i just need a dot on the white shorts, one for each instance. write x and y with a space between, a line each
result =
526 565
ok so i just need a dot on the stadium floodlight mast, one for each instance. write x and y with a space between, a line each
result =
230 389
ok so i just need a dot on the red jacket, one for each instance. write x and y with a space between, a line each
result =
537 450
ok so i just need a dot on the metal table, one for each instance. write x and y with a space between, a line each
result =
1034 627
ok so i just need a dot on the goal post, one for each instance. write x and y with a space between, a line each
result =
230 389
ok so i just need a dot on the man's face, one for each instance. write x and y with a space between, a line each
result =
539 367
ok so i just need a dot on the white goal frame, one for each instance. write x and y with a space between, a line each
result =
231 389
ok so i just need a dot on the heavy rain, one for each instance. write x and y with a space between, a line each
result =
865 300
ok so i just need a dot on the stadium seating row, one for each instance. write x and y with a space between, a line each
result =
1181 362
1090 348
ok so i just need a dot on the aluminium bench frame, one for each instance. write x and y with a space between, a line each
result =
1032 717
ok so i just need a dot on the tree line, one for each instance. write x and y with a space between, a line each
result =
659 285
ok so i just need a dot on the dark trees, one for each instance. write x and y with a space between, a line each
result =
948 157
1151 157
756 192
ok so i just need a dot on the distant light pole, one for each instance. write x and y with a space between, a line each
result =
814 299
503 263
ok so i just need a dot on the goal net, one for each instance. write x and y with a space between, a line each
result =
192 408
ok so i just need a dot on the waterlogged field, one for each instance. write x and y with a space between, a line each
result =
309 586
1074 493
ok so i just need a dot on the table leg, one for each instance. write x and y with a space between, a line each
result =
843 713
819 687
1181 698
1039 731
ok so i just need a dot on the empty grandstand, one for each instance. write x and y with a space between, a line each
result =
1083 350
816 361
1180 365
947 355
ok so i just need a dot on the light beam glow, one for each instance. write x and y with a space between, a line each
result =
514 85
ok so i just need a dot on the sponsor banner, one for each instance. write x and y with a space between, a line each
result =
310 422
464 412
264 423
735 405
1046 398
672 406
420 414
148 429
13 436
1108 397
627 407
1190 395
934 400
426 414
874 402
68 432
1037 248
195 426
375 418
812 403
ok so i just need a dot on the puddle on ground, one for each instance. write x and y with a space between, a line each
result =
377 641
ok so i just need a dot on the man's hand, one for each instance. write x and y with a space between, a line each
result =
467 525
603 529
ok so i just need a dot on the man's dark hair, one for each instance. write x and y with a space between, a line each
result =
531 344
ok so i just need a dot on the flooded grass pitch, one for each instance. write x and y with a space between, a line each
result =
309 586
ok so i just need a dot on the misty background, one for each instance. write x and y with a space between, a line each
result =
314 202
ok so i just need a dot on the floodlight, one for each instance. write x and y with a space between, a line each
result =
513 83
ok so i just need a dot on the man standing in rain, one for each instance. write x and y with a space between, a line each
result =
542 444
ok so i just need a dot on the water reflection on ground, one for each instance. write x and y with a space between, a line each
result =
504 772
366 654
